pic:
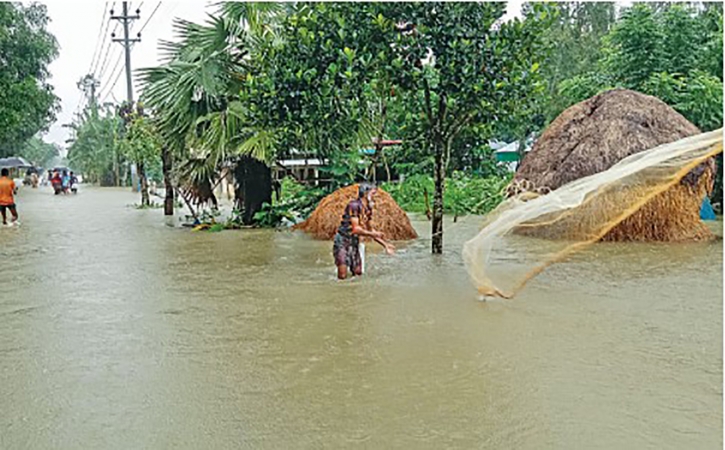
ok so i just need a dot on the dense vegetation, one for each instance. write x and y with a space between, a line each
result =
38 152
262 82
27 102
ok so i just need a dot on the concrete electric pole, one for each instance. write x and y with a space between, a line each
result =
126 20
88 84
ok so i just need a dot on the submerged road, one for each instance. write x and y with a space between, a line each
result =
118 332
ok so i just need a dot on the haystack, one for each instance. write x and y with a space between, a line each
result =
593 135
387 217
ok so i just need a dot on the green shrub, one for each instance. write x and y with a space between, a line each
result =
295 204
464 194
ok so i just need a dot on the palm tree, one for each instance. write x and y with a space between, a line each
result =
192 96
205 119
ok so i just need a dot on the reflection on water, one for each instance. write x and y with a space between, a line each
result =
120 332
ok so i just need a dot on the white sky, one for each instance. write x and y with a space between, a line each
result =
76 26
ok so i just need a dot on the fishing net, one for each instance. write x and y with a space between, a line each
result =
530 231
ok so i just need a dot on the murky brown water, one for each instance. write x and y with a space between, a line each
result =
117 331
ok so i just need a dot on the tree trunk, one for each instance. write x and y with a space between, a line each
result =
166 166
254 187
144 185
428 213
439 180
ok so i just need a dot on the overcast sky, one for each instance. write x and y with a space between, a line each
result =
77 26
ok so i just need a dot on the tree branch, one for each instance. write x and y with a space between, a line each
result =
428 110
456 126
456 113
442 109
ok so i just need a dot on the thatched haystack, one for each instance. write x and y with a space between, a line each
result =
388 217
593 135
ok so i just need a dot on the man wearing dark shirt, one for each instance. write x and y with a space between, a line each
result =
355 224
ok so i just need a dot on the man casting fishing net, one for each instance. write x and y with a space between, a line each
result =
356 223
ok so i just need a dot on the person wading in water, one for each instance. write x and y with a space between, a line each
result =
7 196
355 224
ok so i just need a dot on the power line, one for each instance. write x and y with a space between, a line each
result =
108 52
115 80
100 67
110 89
150 17
126 20
115 66
98 38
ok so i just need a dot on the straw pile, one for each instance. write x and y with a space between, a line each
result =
671 216
593 135
387 217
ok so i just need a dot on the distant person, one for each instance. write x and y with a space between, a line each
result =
65 182
73 183
7 195
355 224
57 183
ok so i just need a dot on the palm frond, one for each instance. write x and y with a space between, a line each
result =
189 93
262 145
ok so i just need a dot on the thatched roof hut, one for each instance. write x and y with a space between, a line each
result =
388 217
593 135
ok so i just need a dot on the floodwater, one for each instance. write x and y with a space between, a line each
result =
120 332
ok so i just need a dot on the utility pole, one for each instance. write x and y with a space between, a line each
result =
125 19
88 85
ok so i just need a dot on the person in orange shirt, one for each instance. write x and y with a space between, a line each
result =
7 195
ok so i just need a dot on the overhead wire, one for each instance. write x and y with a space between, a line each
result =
93 58
98 39
115 81
99 65
118 74
108 52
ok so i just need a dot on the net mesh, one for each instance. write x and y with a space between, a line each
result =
530 231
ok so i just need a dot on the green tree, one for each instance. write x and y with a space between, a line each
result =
192 95
320 89
673 52
329 85
710 53
574 40
94 148
27 102
461 68
683 37
140 143
38 152
666 52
